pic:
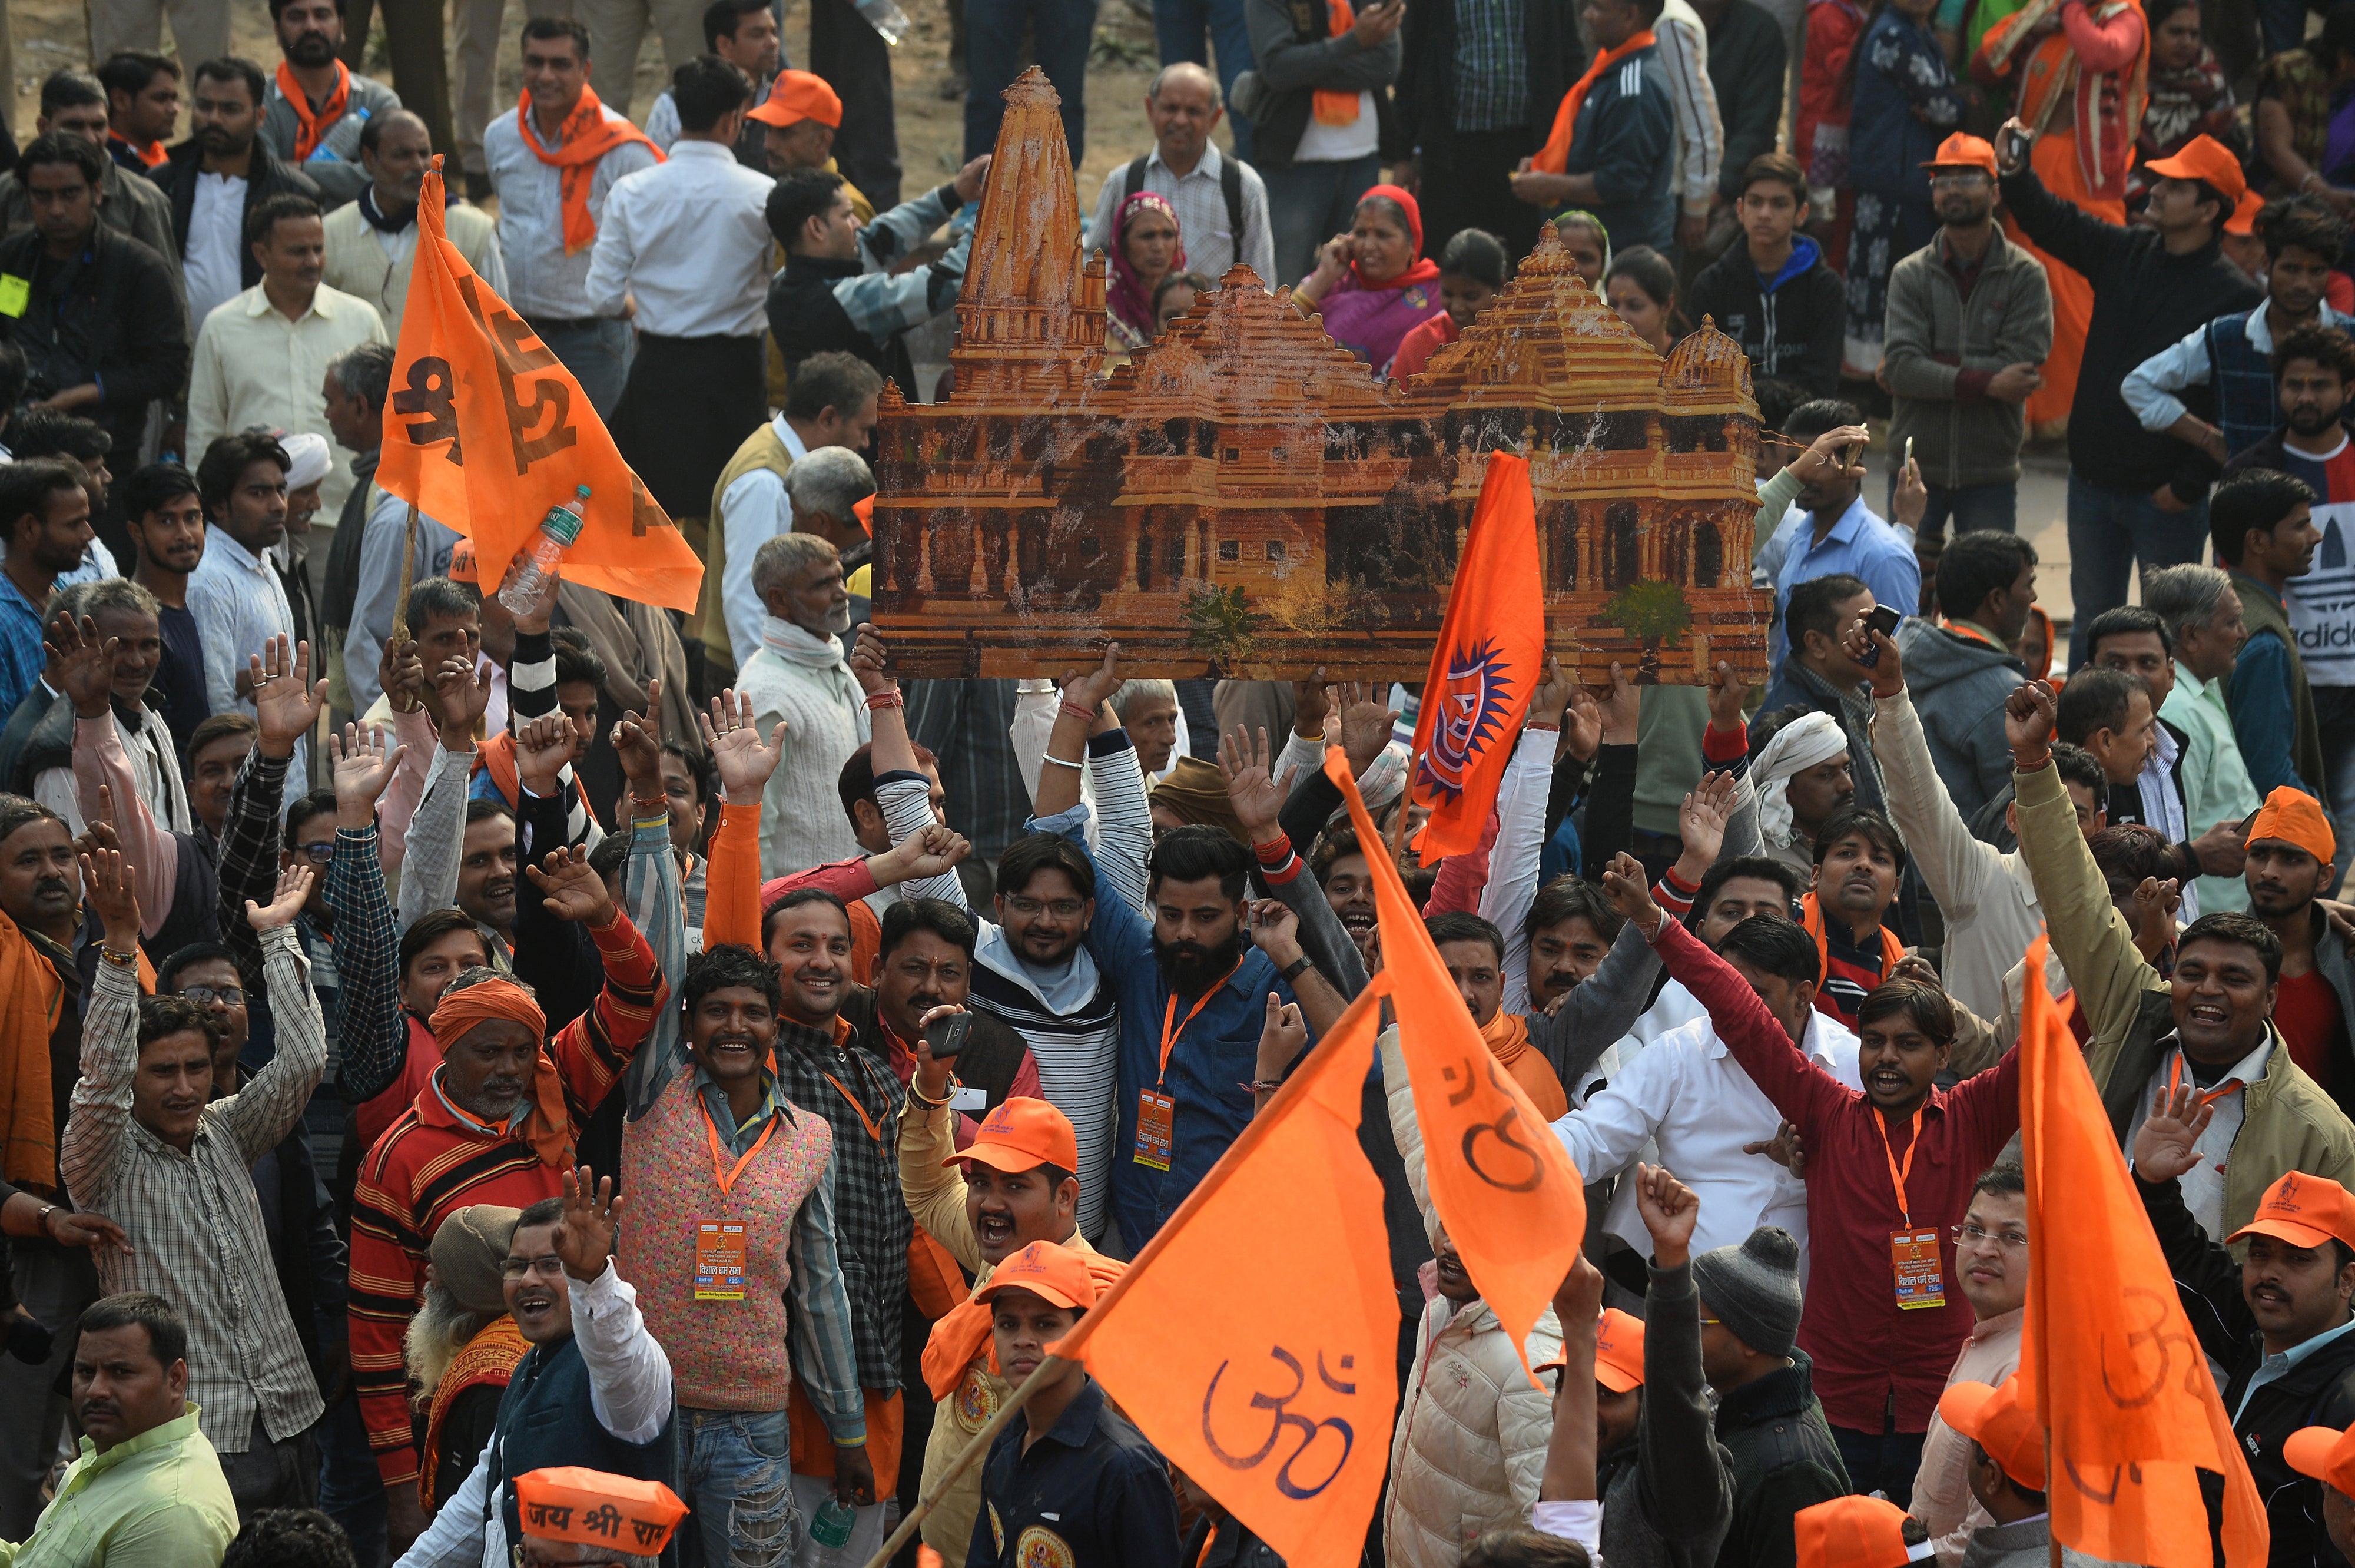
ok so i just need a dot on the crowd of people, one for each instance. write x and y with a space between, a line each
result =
448 1046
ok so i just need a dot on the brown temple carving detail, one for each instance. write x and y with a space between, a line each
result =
1242 498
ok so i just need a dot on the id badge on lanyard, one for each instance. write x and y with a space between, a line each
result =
1156 1112
1916 1259
720 1260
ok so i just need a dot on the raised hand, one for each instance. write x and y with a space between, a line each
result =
584 1237
110 886
81 666
293 888
1670 1209
1786 1148
463 698
1837 452
1275 931
2155 903
1312 703
285 704
1093 688
1281 1039
1550 701
1876 650
401 672
363 767
870 660
571 890
637 742
2167 1145
938 849
542 748
1252 789
1701 820
1367 719
1582 726
1727 692
1631 894
1578 1301
2028 717
1622 708
734 742
1912 502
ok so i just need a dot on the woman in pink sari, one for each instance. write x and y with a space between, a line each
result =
1374 284
1145 248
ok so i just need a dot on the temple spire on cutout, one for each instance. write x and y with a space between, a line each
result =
1028 305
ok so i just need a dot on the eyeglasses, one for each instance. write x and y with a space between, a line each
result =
205 995
546 1267
1972 1235
1061 909
317 854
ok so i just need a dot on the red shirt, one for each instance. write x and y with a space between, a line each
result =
1862 1344
2306 1010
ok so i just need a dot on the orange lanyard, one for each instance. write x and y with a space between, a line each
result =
2208 1098
1169 1037
1896 1175
727 1177
864 1120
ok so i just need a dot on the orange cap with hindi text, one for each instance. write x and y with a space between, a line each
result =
1855 1532
1997 1420
569 1502
797 95
2325 1453
1051 1272
2294 816
2205 158
2303 1211
462 561
1023 1133
1963 151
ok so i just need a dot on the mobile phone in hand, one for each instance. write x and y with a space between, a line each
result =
2015 147
945 1037
1884 619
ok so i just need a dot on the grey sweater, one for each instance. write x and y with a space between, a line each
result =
1938 350
2027 1544
1667 1493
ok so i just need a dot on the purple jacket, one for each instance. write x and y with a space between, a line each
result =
1369 323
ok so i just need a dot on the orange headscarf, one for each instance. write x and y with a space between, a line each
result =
548 1127
312 129
1553 158
586 137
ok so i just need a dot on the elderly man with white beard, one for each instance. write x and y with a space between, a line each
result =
800 677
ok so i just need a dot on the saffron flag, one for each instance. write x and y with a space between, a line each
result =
486 431
1489 660
1260 1358
2115 1373
1503 1186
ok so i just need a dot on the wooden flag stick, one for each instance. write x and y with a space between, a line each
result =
400 598
973 1450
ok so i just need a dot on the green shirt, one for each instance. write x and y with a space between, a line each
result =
2216 785
156 1501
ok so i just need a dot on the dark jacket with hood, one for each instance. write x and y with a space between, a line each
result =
1783 1460
1668 1492
1791 325
2319 1390
1959 685
266 175
1297 53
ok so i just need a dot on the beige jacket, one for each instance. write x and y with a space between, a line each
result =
359 263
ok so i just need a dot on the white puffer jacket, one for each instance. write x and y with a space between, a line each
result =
1470 1445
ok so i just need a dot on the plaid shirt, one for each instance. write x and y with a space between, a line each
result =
194 1218
373 1030
247 858
860 1098
1492 65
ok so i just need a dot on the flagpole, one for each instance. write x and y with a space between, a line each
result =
979 1444
408 581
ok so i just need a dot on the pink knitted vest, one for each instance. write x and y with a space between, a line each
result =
724 1355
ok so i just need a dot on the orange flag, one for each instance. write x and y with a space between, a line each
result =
486 431
1490 657
2108 1357
1503 1186
1262 1360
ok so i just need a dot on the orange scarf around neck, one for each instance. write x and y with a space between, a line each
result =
313 128
1332 108
585 136
1553 158
963 1336
27 1108
1508 1035
1811 917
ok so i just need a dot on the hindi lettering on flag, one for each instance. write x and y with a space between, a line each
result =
485 430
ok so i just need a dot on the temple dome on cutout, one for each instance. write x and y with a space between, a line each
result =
1243 497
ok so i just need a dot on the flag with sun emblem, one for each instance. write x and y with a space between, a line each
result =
1490 659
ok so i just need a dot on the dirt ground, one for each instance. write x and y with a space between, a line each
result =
48 33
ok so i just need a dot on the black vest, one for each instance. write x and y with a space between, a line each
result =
545 1420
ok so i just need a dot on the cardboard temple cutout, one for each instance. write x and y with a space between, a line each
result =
1244 498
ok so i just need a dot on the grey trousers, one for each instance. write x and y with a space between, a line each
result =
616 28
55 1284
199 28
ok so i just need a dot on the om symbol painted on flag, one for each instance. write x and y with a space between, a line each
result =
551 395
1473 702
1310 1430
1503 1129
432 392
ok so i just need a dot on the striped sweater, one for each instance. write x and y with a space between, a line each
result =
435 1159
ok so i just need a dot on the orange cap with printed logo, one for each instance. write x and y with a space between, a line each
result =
1052 1272
2303 1211
461 560
1023 1133
1962 151
1618 1352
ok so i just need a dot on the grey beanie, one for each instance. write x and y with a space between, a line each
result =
468 1251
1753 1290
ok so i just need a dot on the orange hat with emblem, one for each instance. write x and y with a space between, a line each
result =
1961 151
2205 158
797 95
2325 1453
2294 816
1052 1272
1997 1422
2303 1211
1023 1133
1856 1532
1618 1352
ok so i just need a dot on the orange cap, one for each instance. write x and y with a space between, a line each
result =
1960 151
462 561
1997 1422
1618 1352
2325 1453
796 96
1052 1272
2245 215
569 1502
2294 816
2303 1211
1023 1133
2205 158
1855 1532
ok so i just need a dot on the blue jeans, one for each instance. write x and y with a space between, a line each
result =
598 357
1307 204
738 1466
1970 508
2110 531
351 1488
993 47
1179 29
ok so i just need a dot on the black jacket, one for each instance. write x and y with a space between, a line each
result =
1783 1460
1747 69
1792 332
2144 300
1298 53
807 319
110 316
1668 1492
2318 1392
265 176
1425 95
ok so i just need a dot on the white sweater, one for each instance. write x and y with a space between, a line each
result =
802 820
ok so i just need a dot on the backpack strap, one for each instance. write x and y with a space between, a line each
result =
1230 186
1134 179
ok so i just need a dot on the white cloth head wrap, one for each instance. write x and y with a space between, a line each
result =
1796 747
310 457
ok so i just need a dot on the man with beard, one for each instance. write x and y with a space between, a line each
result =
595 1390
74 103
2291 847
44 528
318 107
103 668
372 238
143 109
1969 321
799 677
1803 775
166 523
1835 531
218 179
463 1347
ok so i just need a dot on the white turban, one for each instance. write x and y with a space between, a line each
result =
1797 746
309 456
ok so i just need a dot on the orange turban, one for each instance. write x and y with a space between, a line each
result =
2294 816
797 95
549 1129
568 1502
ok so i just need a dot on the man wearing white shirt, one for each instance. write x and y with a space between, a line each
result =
745 34
234 593
687 241
1220 202
797 673
832 404
372 241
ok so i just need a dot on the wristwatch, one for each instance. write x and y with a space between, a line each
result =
1291 971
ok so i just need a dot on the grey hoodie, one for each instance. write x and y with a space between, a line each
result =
1958 685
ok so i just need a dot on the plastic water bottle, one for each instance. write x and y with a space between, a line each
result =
533 579
829 1531
886 17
